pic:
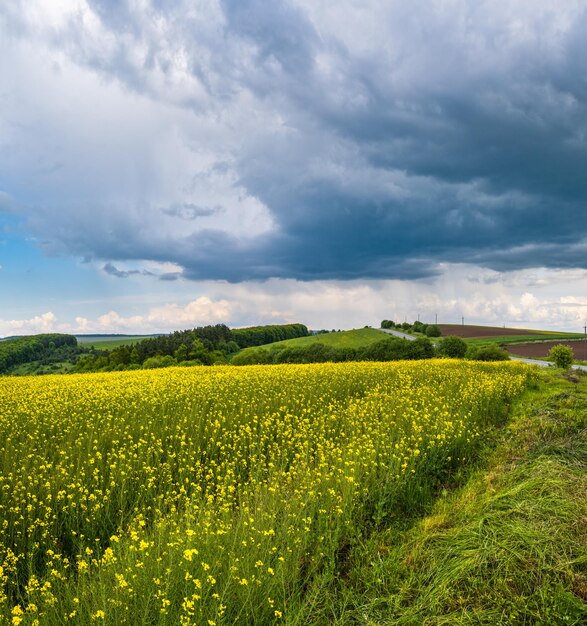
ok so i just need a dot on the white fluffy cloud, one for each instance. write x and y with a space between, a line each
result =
199 312
44 323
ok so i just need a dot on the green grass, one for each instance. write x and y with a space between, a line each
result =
36 367
341 339
507 548
544 336
104 343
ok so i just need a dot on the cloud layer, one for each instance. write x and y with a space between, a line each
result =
244 140
523 299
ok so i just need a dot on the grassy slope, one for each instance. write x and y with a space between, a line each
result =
342 339
507 548
109 344
34 367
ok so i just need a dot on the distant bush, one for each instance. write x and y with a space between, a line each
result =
315 353
488 353
419 327
159 361
396 349
252 357
562 356
190 363
391 349
416 327
452 347
421 348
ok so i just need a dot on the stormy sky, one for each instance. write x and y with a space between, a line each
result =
167 163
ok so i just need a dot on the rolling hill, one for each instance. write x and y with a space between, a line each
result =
355 338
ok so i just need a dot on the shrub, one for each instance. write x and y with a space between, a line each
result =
488 353
452 347
395 349
432 330
391 349
159 361
562 356
253 357
421 348
315 353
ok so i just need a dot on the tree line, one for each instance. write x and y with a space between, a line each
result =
260 335
204 345
430 330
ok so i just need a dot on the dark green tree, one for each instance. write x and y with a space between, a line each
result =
135 357
182 353
198 351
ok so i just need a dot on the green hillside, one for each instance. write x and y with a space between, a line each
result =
44 350
355 338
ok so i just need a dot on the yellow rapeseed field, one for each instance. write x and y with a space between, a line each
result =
216 495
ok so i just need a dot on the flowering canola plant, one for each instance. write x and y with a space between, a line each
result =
215 495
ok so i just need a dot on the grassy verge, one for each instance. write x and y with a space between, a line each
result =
507 548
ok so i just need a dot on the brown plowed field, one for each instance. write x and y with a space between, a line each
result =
470 332
540 349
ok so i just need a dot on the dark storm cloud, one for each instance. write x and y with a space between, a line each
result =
500 157
111 269
190 211
383 138
278 30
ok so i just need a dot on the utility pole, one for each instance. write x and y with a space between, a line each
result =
463 320
436 318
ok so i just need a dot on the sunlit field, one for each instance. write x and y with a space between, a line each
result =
218 495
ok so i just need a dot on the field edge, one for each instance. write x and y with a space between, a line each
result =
485 554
